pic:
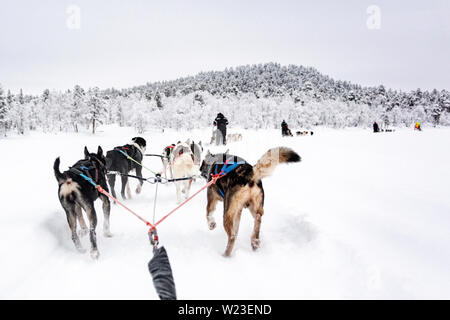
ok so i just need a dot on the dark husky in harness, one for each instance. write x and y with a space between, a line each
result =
117 161
76 193
241 187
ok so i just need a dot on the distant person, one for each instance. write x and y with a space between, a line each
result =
376 128
285 131
417 126
221 123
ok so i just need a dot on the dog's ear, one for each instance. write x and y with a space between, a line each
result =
200 143
208 153
86 153
100 151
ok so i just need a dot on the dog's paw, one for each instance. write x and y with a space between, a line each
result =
256 243
226 254
212 225
107 234
138 189
95 254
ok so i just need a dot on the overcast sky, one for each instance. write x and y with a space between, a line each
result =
125 43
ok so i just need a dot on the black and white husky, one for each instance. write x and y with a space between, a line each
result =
166 156
116 161
75 194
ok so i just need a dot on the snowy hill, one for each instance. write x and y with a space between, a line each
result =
362 216
256 96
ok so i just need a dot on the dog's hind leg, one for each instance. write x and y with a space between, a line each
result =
92 217
84 229
188 188
164 171
171 171
231 219
112 182
72 220
257 215
141 182
106 214
178 188
128 189
210 207
124 184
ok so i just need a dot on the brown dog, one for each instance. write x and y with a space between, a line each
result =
240 188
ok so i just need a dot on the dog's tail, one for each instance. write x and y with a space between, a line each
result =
61 178
267 163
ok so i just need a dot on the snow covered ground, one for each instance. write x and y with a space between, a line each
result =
362 216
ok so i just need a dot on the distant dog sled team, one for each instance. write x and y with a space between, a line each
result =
239 185
286 132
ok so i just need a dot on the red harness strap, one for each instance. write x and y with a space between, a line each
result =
100 189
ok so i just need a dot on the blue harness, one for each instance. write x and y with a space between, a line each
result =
227 167
85 175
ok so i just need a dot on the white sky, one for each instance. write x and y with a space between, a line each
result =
125 43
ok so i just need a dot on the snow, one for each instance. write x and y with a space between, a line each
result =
363 216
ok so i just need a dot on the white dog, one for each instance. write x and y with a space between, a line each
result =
183 166
234 137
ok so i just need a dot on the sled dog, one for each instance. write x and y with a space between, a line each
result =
77 194
197 150
183 166
166 156
240 188
234 137
117 161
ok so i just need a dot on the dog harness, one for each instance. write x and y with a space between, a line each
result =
123 150
228 166
83 171
128 147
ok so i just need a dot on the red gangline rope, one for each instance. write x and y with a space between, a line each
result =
213 180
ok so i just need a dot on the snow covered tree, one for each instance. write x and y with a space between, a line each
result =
251 96
158 101
95 107
78 111
3 112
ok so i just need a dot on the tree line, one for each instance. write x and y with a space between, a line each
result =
253 96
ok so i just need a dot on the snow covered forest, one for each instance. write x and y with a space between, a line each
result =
252 97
